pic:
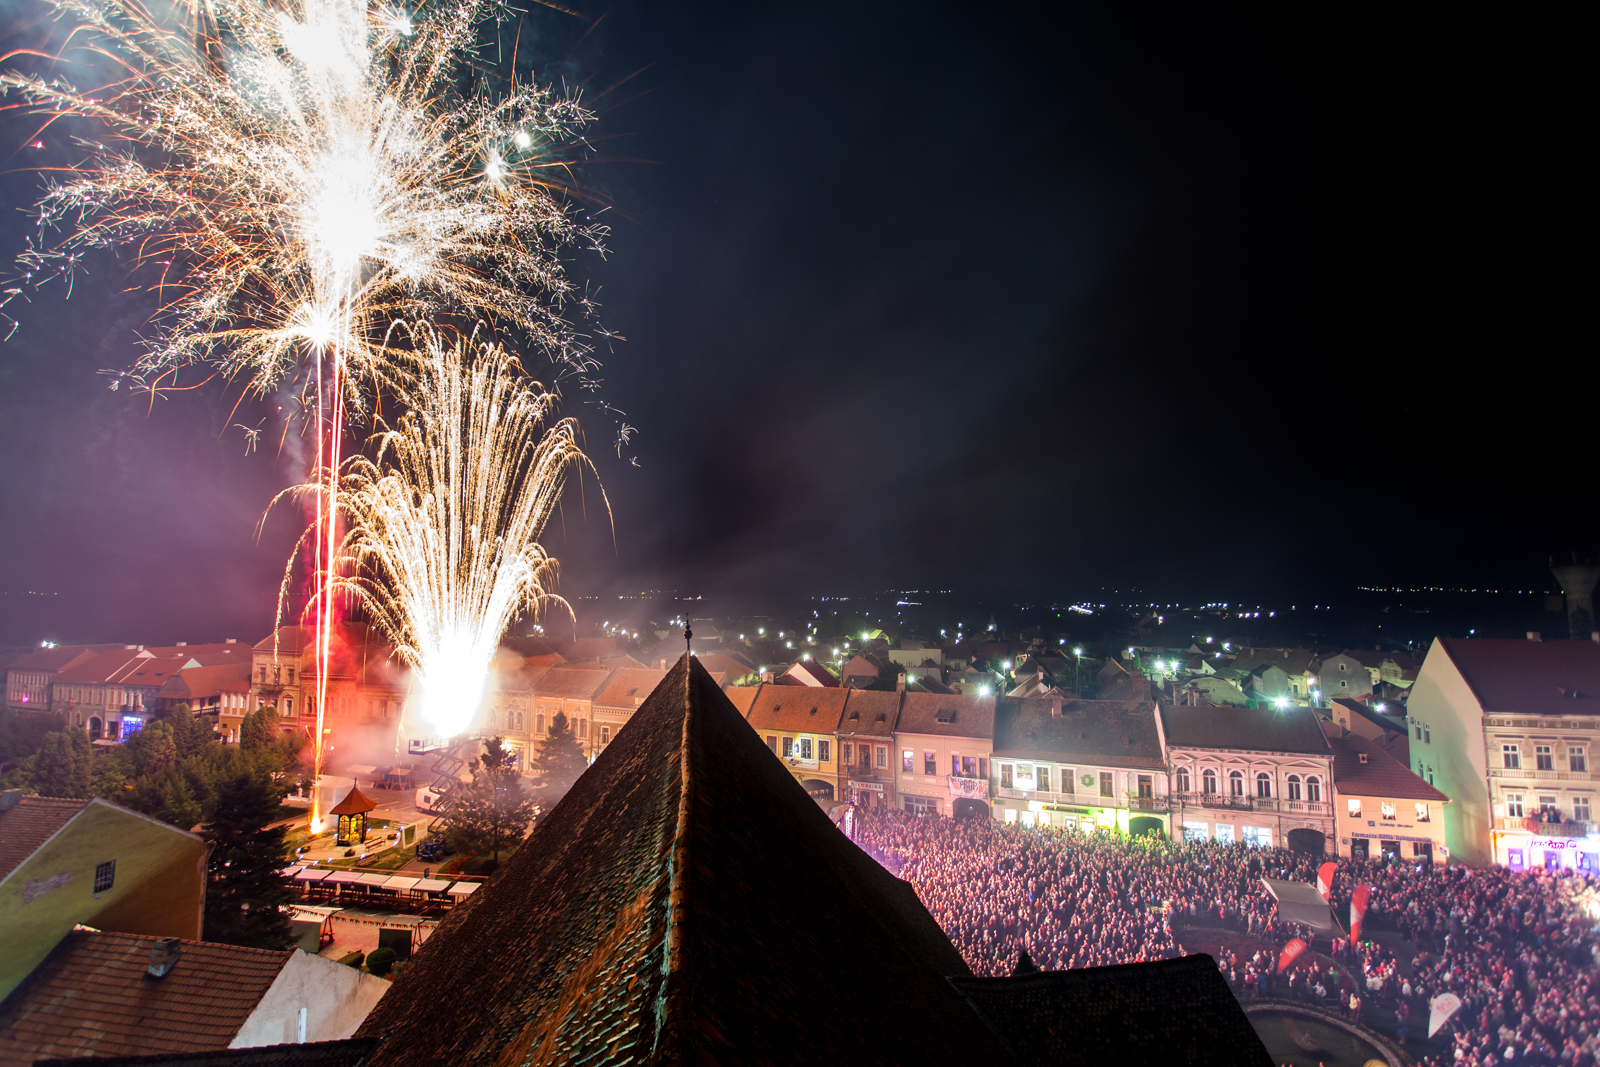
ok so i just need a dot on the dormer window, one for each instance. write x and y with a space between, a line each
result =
1362 756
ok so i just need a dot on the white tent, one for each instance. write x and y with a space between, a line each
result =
1299 902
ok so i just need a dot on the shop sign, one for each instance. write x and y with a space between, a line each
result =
1551 844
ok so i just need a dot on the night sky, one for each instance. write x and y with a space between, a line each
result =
1219 303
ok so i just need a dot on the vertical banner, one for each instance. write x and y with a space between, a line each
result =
1440 1009
1290 953
1358 912
1325 880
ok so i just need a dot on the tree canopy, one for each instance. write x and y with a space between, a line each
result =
558 762
492 812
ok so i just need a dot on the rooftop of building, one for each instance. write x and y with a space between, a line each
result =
29 823
629 914
92 996
871 712
1219 726
1528 677
628 687
1110 732
801 709
571 682
947 715
1379 775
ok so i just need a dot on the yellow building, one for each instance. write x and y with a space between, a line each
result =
65 862
1381 808
799 724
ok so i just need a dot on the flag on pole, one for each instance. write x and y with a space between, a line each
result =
1358 912
1441 1008
1325 880
1290 953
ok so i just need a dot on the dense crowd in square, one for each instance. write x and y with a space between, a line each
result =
1519 948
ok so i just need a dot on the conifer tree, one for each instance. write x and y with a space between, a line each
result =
55 767
82 761
245 894
559 760
492 811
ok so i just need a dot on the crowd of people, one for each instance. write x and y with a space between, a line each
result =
1518 948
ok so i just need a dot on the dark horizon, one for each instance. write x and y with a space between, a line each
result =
1224 305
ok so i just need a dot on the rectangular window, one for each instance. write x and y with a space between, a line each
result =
1146 787
805 748
772 743
1577 759
883 756
1005 776
1511 757
866 755
1259 836
1543 759
1427 735
105 875
1354 807
1580 809
788 747
969 767
846 755
1067 783
1419 731
1423 813
1043 774
1225 834
983 767
930 763
605 734
823 744
1514 805
955 764
905 760
1105 783
1388 811
921 805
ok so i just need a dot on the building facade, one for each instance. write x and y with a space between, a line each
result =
1382 809
1261 776
800 725
1511 729
866 748
942 749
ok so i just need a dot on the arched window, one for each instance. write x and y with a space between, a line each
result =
1263 784
538 725
1183 779
1236 783
1294 787
1314 789
1210 780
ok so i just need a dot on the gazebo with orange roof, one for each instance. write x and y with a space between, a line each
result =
352 812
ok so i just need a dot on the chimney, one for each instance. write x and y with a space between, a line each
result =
767 676
1533 635
1594 635
1055 705
900 682
9 798
179 644
231 641
164 956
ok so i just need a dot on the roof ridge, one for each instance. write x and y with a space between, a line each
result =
672 1013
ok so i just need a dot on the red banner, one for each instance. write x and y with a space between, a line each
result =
1290 953
1325 880
1358 911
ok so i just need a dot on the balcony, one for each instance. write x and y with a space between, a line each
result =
1247 803
1540 828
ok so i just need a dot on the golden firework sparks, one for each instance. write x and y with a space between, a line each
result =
443 526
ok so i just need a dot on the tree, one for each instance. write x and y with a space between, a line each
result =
190 735
259 729
245 894
82 761
559 760
55 773
493 810
153 748
168 796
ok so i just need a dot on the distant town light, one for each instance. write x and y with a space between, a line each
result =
1077 652
1282 702
1006 666
1380 707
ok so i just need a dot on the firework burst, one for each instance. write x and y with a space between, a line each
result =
443 525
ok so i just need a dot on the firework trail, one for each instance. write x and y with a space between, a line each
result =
444 523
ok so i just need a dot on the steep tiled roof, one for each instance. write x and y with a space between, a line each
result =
351 1052
727 663
743 697
628 688
811 709
1528 677
578 683
1111 732
1253 729
1160 1012
585 647
634 923
867 711
54 659
198 683
948 716
30 823
289 640
1380 776
817 674
90 996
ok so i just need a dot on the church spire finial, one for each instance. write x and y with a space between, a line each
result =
688 637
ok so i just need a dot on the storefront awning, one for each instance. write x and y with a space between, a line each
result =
464 889
368 878
401 883
312 874
430 885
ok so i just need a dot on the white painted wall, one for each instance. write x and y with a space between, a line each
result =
1442 699
336 998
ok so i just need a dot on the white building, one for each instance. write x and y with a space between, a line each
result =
1509 732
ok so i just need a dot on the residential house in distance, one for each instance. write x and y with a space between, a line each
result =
1299 667
1388 731
115 994
808 672
111 694
1084 764
276 663
800 725
1261 776
65 862
1343 675
1381 807
866 745
943 744
28 678
617 700
1217 690
1386 668
1514 727
221 695
860 672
